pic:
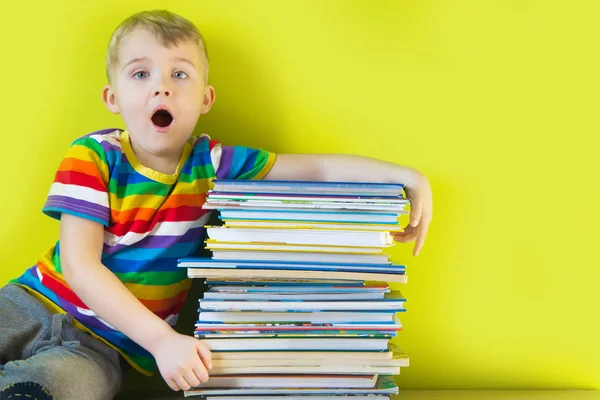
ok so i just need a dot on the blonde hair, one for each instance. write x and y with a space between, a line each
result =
169 28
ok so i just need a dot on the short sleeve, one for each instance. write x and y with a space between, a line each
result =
237 162
80 185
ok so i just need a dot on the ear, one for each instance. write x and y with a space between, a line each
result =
209 99
110 100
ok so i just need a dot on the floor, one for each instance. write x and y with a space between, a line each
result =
498 395
464 395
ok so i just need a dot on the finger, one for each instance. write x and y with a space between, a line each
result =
416 209
191 378
201 373
408 230
182 383
204 354
408 235
405 238
172 384
423 227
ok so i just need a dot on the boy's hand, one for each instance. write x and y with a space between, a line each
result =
421 204
182 360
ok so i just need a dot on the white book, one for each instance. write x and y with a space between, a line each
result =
384 385
257 305
313 225
307 356
310 215
214 245
291 381
300 256
224 204
300 236
312 343
252 274
397 361
315 369
331 287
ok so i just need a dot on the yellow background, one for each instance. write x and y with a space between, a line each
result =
495 101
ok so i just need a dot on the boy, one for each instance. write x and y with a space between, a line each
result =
130 204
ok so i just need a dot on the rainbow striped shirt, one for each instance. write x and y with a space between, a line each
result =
151 219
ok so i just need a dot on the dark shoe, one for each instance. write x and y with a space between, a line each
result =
25 390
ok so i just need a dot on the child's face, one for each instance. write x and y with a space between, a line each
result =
150 77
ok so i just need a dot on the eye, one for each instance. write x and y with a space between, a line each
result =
179 75
140 75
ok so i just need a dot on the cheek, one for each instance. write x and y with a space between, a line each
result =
191 104
128 93
130 102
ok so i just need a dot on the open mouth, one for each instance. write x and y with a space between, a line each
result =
162 118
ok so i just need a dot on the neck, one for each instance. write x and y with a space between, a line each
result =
165 164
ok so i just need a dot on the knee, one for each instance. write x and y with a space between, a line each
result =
67 377
26 390
25 377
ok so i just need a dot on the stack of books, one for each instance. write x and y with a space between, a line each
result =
298 303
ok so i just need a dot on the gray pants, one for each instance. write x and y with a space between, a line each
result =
37 346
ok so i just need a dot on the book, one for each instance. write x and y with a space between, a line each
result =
299 343
312 205
302 397
250 274
271 284
298 316
304 265
317 215
304 236
377 356
290 296
287 297
325 286
398 360
316 248
288 381
328 198
218 334
312 369
317 333
275 186
341 226
393 301
301 256
204 326
385 385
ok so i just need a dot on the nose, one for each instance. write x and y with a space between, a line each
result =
162 88
162 91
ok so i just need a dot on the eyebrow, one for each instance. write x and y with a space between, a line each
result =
185 60
138 59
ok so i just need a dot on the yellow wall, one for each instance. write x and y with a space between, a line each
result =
496 101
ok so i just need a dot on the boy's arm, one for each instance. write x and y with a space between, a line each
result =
342 167
181 359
